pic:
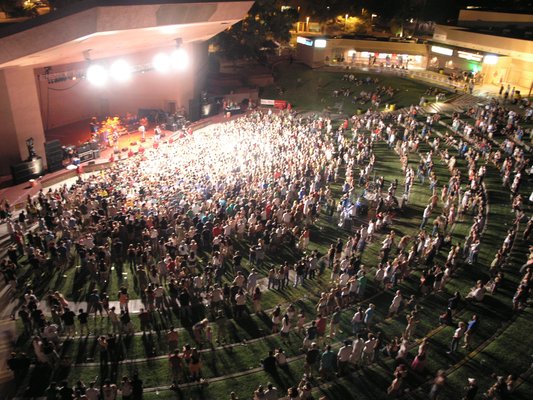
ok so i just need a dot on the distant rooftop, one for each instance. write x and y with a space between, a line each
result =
510 31
516 24
502 10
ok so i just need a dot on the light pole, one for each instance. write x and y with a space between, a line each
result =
345 21
307 24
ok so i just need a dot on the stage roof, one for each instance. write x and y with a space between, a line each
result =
110 28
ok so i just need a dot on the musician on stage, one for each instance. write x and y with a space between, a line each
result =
157 133
94 125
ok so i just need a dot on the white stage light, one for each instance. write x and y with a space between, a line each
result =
97 75
161 62
121 71
179 59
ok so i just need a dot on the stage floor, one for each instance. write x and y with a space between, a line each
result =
79 132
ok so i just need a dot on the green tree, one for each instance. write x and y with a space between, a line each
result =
264 22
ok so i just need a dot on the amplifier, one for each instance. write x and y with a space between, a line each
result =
52 145
86 156
24 171
84 148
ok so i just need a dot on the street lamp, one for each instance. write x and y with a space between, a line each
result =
345 21
307 24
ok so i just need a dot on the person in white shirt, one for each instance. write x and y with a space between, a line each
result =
281 358
457 335
357 351
368 350
425 216
395 304
379 275
92 393
109 390
343 357
252 280
358 321
142 131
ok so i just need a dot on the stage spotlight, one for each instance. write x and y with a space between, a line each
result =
179 59
161 62
97 75
121 71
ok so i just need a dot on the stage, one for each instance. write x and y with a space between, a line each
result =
79 132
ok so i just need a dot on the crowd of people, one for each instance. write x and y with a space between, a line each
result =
172 217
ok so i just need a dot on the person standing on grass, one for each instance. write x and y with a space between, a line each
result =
335 322
454 302
369 316
470 390
256 298
272 393
146 321
395 305
411 325
395 388
320 328
363 282
195 365
285 328
311 335
281 358
358 321
94 303
357 351
221 322
471 329
138 387
328 362
269 363
368 350
276 319
172 339
301 322
83 319
312 357
438 385
425 216
109 390
93 393
419 363
66 392
343 357
457 336
240 304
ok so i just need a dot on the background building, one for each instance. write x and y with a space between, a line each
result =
495 45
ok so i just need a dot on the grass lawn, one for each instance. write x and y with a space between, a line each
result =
312 90
498 347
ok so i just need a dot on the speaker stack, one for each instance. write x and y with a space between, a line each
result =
194 109
26 170
54 155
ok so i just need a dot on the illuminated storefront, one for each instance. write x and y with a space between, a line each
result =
317 52
483 44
